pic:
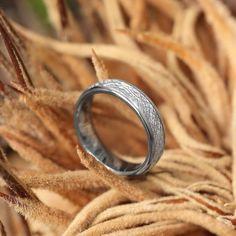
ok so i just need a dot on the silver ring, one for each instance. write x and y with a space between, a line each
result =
147 113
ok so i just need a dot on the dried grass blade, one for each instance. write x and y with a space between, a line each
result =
115 21
36 210
212 188
208 78
70 180
60 125
224 26
181 135
169 7
234 142
139 17
25 225
2 229
85 217
20 70
3 89
210 206
170 229
188 216
3 157
6 65
128 189
148 68
11 31
63 21
142 207
100 68
63 13
16 185
29 153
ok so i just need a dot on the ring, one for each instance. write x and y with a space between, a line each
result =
145 110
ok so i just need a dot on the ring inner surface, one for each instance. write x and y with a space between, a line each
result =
90 140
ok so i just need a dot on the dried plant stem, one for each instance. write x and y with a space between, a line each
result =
85 217
139 16
234 144
139 208
169 7
200 67
210 206
63 20
100 68
222 22
181 134
38 211
187 69
168 229
2 229
20 70
128 189
188 216
70 180
56 123
6 65
144 65
29 153
115 21
211 187
14 183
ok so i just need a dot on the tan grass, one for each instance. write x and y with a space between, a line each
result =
182 54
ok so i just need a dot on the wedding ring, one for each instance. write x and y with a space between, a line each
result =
146 112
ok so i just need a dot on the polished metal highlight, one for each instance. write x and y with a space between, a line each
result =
145 110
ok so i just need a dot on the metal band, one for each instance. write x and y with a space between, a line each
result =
147 113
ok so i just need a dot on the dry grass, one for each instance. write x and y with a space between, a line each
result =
182 54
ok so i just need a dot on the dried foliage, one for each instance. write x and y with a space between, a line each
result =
182 54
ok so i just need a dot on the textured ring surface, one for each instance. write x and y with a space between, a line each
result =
145 110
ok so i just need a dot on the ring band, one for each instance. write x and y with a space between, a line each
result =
145 110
